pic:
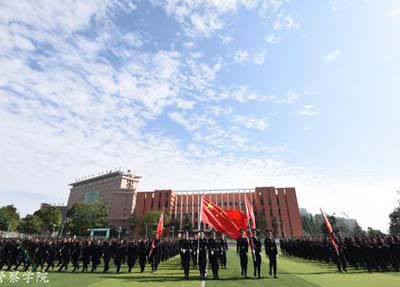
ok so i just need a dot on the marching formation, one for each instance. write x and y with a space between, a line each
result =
210 252
84 255
381 253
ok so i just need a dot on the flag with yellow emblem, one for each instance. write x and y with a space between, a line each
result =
220 219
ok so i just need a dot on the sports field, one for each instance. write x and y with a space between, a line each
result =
292 272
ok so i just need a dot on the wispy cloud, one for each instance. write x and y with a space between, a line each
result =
309 110
395 12
332 56
272 38
251 122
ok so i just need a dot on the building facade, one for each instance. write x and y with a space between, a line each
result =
275 209
115 189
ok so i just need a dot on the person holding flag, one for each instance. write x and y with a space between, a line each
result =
338 255
154 255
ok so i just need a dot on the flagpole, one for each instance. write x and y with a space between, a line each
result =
199 226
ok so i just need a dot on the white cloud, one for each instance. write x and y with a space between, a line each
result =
332 56
259 58
286 22
272 38
309 110
226 39
241 56
290 98
395 12
251 122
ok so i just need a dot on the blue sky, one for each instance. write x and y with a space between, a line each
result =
204 94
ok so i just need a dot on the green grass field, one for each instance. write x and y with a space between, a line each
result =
292 272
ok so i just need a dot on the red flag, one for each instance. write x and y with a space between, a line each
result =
238 217
330 231
160 226
217 217
250 213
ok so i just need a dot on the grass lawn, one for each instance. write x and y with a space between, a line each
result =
292 272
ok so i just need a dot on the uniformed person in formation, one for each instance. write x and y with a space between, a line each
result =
242 248
272 253
224 248
203 249
185 246
214 253
257 254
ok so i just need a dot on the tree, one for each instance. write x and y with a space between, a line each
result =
83 216
150 219
394 227
309 224
9 218
133 222
358 231
31 224
51 217
373 232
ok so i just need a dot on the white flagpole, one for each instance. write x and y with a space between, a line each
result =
199 227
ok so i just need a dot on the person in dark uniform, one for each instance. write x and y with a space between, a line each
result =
86 253
214 252
224 248
185 251
272 252
154 254
256 241
203 248
107 255
142 254
75 255
96 255
119 254
194 242
242 248
132 255
65 255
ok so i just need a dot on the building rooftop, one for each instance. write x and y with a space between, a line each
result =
100 176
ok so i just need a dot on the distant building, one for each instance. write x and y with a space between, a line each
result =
116 189
275 208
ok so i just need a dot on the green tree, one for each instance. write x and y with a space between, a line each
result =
9 218
133 222
358 231
31 224
51 217
394 216
373 232
150 219
83 216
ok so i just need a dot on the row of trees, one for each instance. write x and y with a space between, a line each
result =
46 219
394 216
313 225
78 220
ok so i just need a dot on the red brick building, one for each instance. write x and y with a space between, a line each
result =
275 208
